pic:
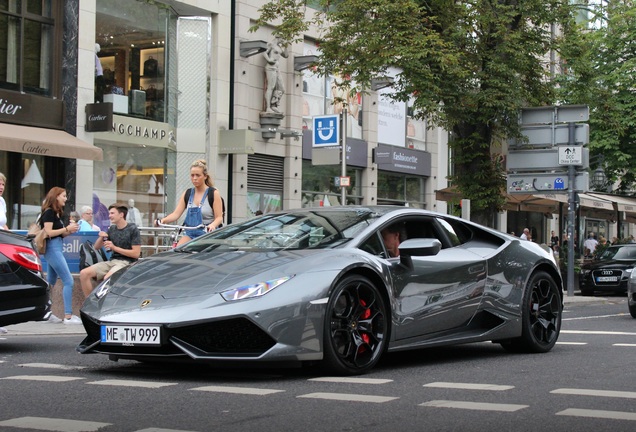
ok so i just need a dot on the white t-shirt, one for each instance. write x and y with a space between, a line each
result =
3 213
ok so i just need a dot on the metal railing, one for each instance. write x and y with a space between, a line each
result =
155 240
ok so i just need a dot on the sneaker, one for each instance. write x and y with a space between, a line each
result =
53 319
74 319
3 330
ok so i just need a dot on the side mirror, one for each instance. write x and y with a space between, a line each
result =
418 247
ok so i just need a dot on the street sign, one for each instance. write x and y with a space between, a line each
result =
540 160
570 155
326 130
551 135
529 183
345 181
555 114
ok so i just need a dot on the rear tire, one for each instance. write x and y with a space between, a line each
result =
541 316
356 325
632 310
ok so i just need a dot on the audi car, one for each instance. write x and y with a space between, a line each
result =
24 294
609 272
335 287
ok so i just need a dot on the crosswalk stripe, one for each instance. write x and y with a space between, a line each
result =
469 386
348 397
614 415
592 392
51 366
624 345
50 378
351 380
238 390
571 343
53 424
591 332
130 383
480 406
162 430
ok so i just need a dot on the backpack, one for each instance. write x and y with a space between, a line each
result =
89 255
186 198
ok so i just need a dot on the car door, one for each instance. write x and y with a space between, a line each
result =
440 292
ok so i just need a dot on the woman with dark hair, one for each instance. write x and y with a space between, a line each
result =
51 221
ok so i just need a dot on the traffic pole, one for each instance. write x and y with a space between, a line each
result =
571 213
343 156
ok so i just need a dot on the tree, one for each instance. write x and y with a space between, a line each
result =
600 73
468 66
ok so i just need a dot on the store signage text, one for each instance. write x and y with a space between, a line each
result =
29 147
8 108
139 131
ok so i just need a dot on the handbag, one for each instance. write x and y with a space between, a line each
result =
38 236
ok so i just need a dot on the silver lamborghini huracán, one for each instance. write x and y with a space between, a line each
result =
322 285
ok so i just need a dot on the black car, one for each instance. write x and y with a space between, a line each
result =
610 271
24 294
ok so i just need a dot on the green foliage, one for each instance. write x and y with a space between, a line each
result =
469 66
600 73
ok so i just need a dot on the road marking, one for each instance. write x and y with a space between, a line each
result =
130 383
53 424
162 430
571 343
50 378
348 397
469 386
593 317
586 332
624 345
479 406
238 390
591 392
52 366
614 415
352 380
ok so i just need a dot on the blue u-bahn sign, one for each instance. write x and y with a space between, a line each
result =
326 130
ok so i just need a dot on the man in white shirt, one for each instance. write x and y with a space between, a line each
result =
525 234
590 245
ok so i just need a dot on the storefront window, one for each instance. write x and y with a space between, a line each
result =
131 176
319 185
26 45
396 189
131 69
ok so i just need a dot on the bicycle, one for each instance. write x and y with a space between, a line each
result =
177 231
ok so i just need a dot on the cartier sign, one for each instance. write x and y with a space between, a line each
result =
31 110
99 117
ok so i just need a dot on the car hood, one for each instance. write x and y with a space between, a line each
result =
180 275
617 264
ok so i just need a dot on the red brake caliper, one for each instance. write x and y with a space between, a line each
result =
365 315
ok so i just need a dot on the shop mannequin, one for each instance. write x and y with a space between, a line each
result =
100 84
134 216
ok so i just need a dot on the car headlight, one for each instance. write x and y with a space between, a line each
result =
254 290
102 289
632 275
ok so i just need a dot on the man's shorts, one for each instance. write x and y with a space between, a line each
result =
102 268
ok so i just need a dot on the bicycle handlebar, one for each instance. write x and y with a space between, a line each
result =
159 224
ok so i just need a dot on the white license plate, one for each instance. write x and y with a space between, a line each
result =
607 279
131 335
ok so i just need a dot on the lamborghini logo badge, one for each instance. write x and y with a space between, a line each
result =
145 303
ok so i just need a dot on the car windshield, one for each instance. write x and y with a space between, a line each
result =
303 229
619 253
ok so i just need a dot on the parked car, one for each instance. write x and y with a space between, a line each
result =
24 294
631 294
317 285
609 271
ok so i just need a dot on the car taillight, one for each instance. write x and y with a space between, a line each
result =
24 256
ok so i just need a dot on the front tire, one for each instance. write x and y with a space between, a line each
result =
356 325
632 310
541 316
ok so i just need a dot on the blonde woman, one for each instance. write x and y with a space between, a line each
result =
202 204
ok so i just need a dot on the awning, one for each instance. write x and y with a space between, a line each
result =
624 204
46 142
544 202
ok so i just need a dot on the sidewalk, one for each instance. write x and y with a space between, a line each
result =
45 328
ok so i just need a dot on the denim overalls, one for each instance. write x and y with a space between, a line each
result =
194 216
